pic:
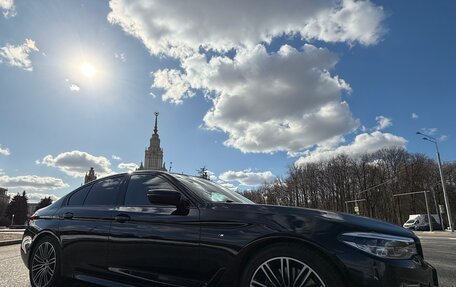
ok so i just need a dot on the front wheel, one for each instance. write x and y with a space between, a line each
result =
289 266
44 269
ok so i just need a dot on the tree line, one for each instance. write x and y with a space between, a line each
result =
366 185
16 211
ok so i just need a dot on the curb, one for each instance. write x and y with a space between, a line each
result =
10 242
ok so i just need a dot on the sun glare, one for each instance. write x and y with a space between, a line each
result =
88 70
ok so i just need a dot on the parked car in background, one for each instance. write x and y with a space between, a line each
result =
153 228
420 219
411 223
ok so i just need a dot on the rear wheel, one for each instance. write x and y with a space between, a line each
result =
44 269
290 265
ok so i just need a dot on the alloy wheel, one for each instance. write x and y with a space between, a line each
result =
285 272
43 264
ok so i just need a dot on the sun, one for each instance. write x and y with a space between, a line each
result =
88 70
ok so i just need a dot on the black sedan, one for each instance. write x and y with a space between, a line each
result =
152 228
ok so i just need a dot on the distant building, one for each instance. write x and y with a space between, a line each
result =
153 158
90 176
4 197
4 200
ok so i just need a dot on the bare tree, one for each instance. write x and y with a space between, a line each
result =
372 179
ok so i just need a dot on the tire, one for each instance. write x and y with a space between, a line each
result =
306 265
44 264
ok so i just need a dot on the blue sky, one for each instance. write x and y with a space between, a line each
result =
277 90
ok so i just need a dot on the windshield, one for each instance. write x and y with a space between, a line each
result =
411 221
211 191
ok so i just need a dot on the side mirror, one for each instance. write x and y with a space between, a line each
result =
164 197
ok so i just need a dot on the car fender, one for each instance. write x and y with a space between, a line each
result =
37 237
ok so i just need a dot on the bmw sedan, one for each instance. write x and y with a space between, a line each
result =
152 228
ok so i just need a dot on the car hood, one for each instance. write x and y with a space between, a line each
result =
341 221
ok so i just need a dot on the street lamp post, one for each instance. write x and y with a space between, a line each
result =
12 220
428 212
439 163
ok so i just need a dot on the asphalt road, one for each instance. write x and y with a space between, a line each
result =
440 252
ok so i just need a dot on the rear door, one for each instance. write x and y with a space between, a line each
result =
154 243
84 226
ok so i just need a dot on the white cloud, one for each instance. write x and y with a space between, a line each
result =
363 143
29 43
246 177
130 166
301 105
429 131
74 88
115 157
286 100
180 28
350 21
4 150
18 56
8 7
443 138
32 182
228 185
415 116
383 123
77 163
174 83
120 56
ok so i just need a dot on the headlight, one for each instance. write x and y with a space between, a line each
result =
381 245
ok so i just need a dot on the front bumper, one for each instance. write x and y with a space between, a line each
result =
364 270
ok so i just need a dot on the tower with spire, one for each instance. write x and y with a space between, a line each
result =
153 158
90 176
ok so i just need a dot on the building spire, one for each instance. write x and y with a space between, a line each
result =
156 119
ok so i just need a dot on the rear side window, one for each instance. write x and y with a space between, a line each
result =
78 197
104 192
140 185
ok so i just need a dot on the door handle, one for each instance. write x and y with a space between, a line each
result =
68 215
122 218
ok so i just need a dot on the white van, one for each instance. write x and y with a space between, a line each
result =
417 219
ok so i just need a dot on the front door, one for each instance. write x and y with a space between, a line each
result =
154 243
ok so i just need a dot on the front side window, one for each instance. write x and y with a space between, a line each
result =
140 185
104 192
211 191
78 197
